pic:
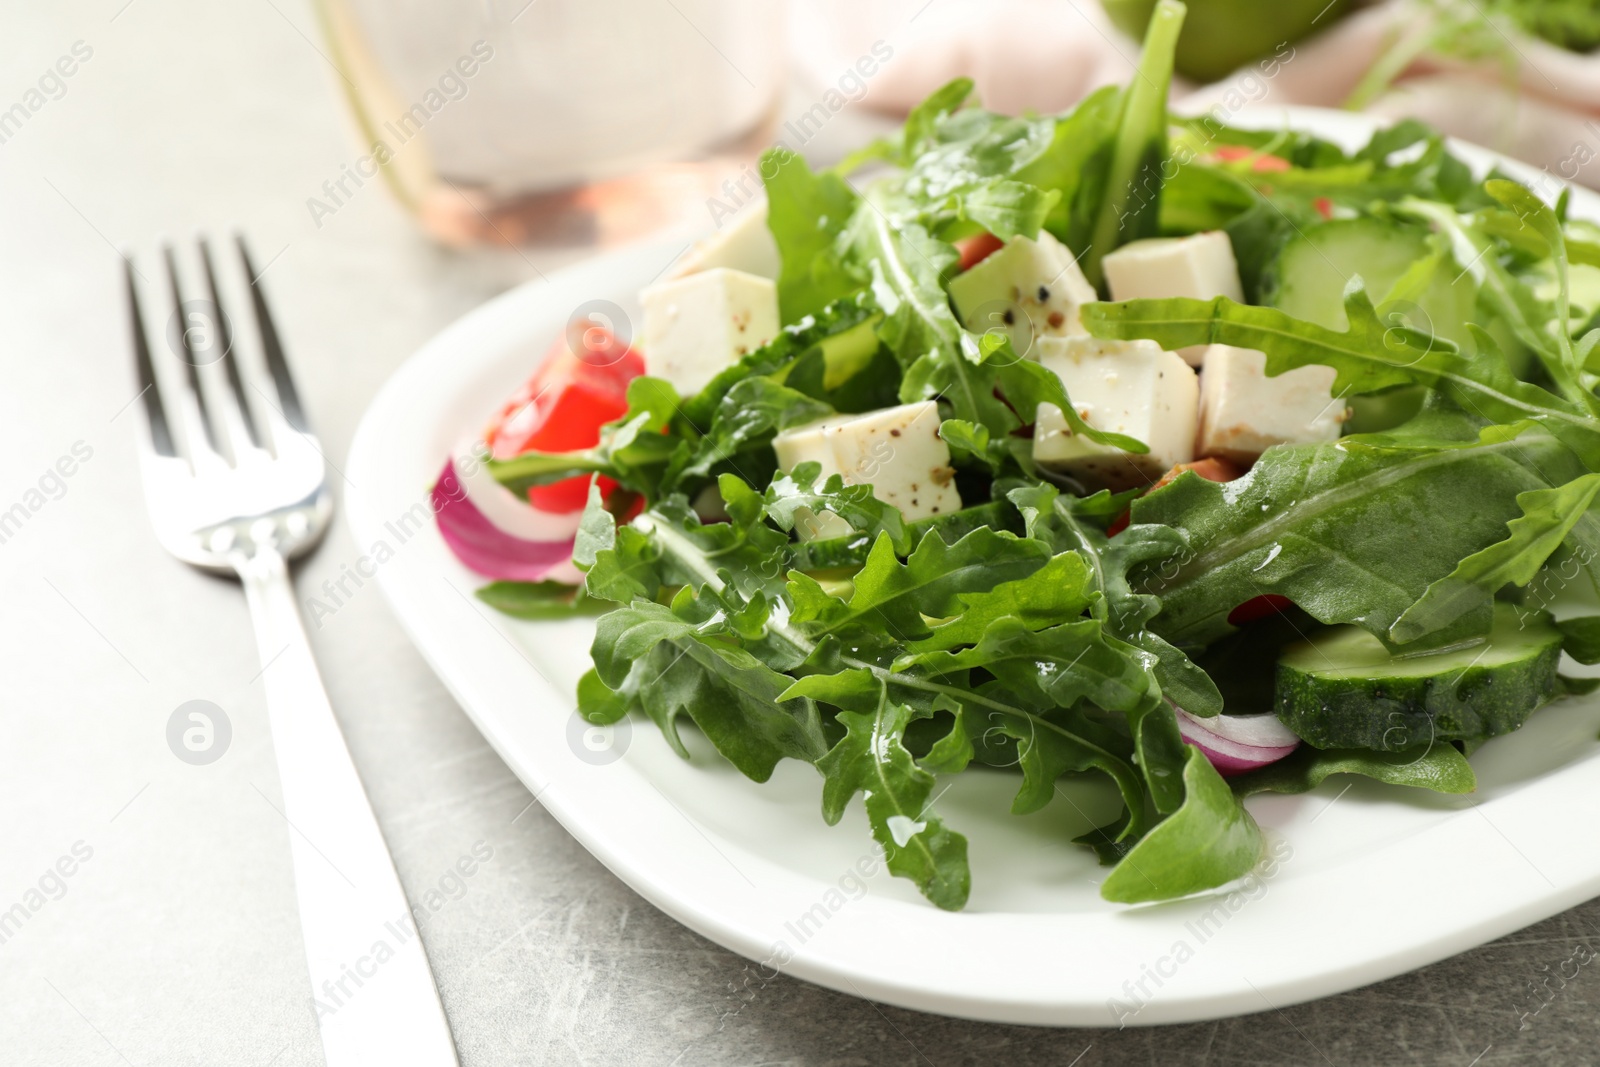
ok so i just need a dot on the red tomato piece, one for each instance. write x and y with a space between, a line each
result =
977 248
1324 207
1259 607
581 386
1233 153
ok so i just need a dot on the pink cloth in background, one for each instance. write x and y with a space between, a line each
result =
1044 55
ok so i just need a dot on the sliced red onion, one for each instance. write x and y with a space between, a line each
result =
486 548
505 509
1237 743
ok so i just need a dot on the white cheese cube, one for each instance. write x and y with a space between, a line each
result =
1029 289
898 451
1243 412
1201 266
1127 387
696 326
740 243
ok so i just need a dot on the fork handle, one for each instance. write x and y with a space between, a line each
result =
372 990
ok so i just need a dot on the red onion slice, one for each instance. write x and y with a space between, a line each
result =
513 514
1237 743
486 548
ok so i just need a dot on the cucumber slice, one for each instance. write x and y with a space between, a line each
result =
1343 689
1313 267
1311 272
835 552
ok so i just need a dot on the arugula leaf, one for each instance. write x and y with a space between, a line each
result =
896 596
1074 163
1050 744
924 119
907 268
751 414
793 497
1548 515
537 600
777 358
1058 590
806 213
732 697
1353 531
1067 524
871 758
1209 841
1507 300
1048 740
1441 768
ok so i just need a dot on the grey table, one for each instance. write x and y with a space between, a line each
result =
173 939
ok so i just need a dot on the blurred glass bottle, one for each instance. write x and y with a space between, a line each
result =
556 121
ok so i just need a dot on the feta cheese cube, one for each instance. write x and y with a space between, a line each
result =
1201 266
1243 412
741 243
696 326
1029 289
1127 387
898 451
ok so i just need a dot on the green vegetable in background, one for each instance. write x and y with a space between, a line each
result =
1223 35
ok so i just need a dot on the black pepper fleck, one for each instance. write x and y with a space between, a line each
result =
1044 294
1009 317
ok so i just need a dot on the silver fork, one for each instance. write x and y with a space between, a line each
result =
242 487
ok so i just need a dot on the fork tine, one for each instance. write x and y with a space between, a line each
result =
272 347
155 414
229 358
200 417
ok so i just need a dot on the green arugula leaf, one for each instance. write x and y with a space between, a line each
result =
1350 532
1548 515
1441 768
925 118
1069 524
897 597
778 358
750 415
1058 590
871 758
1209 841
806 213
794 496
671 669
538 600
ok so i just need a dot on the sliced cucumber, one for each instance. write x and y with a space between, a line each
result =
1314 266
1343 689
852 551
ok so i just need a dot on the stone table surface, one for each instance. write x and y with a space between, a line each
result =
175 938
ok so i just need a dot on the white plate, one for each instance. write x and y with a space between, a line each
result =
1376 880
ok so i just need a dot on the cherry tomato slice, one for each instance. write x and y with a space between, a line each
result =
977 248
581 386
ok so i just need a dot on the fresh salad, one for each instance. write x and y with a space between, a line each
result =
1200 460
